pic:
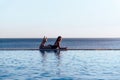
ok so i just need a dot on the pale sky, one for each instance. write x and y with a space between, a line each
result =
68 18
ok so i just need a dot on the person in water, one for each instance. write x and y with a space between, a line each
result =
55 46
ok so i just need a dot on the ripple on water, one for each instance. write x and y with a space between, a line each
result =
63 78
71 65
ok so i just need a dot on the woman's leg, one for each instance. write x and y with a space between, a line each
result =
42 45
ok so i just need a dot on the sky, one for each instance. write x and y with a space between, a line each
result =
68 18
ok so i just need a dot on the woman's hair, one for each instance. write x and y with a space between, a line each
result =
58 38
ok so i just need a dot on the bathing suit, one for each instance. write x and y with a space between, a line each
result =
53 46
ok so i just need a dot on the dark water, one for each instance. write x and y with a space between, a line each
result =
71 43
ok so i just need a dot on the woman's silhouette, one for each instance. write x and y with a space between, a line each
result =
55 46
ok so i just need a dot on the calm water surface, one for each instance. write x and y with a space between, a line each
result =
63 65
71 43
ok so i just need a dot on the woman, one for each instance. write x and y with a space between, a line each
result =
57 43
55 46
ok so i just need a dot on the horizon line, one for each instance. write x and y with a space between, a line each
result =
54 37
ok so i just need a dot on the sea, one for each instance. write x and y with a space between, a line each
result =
85 59
70 43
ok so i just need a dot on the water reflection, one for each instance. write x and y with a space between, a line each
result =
51 63
56 52
56 57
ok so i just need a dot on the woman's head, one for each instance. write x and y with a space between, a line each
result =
59 38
